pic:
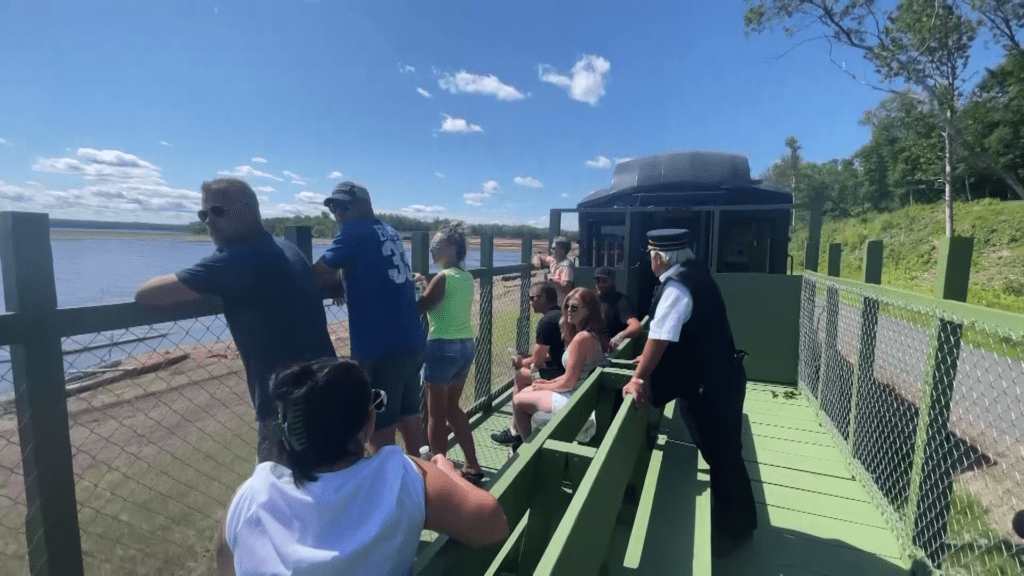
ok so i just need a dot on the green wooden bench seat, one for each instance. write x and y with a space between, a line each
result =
672 526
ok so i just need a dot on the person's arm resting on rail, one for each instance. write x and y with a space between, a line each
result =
673 311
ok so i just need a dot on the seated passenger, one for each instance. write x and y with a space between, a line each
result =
546 358
336 509
586 342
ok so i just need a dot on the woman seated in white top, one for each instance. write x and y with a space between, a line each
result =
585 345
339 509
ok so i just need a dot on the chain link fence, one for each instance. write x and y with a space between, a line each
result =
928 407
13 510
162 432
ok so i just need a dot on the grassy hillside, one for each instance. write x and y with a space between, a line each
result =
911 238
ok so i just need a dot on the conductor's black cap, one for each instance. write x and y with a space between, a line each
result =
668 239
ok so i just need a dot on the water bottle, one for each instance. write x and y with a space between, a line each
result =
425 454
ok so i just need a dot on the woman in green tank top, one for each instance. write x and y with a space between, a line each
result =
448 302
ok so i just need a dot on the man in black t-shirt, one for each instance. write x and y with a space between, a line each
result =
547 352
616 308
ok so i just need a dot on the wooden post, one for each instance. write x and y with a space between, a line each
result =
301 236
523 323
421 264
37 367
932 473
864 372
813 237
554 225
835 259
873 253
484 338
421 252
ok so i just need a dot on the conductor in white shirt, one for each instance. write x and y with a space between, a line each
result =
690 354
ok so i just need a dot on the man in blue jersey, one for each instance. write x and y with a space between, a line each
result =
386 334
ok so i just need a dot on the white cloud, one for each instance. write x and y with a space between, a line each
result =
335 174
101 165
248 172
565 195
299 182
621 159
528 181
423 92
2 141
32 183
260 160
475 198
162 143
438 174
265 189
421 210
452 124
599 162
491 186
586 81
405 68
121 186
310 198
278 210
469 83
296 179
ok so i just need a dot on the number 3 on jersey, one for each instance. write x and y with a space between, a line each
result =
402 271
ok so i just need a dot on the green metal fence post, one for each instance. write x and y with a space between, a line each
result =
301 236
484 338
523 323
932 473
37 367
864 372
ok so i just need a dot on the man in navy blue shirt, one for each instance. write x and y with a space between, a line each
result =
272 302
385 329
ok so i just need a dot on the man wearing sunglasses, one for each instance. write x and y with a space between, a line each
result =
272 303
547 351
385 331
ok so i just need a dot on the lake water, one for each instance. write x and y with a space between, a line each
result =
97 270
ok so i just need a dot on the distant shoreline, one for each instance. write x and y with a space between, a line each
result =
502 244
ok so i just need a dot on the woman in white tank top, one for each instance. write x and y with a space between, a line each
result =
335 509
585 346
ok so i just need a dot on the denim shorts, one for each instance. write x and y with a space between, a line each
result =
448 360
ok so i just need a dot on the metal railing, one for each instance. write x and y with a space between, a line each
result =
925 397
129 428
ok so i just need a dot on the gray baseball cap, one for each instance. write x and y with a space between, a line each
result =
347 191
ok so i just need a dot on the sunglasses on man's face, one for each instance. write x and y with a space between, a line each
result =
216 211
572 307
379 400
339 206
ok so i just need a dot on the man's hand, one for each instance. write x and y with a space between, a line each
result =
639 389
617 340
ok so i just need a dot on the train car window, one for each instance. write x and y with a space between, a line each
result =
607 244
744 244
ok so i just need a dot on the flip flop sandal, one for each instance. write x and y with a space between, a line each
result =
474 477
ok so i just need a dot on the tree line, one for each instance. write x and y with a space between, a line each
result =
932 138
324 226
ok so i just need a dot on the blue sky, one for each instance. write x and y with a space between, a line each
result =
491 112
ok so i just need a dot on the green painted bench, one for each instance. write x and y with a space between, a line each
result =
672 526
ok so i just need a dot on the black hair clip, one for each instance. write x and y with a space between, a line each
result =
290 425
